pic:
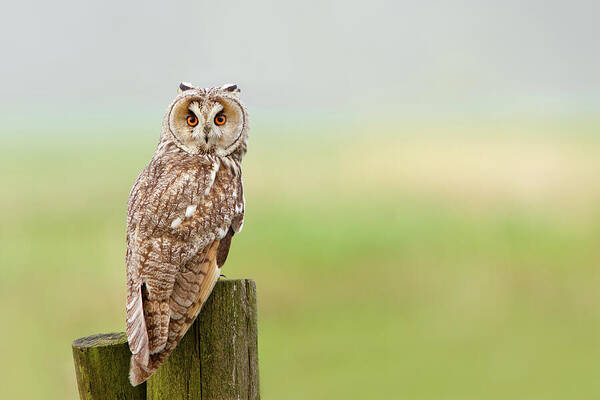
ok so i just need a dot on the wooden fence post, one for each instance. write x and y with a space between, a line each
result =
102 367
216 359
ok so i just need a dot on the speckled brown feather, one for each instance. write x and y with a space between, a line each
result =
182 213
196 282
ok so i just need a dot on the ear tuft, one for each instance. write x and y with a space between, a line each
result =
229 87
183 86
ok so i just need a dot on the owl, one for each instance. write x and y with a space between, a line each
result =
182 212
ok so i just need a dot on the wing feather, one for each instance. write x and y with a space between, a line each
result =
182 317
136 328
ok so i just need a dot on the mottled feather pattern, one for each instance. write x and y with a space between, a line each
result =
182 213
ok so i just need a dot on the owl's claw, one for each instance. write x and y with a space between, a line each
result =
222 275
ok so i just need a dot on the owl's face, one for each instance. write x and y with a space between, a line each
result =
207 120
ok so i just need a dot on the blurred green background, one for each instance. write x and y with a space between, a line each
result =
433 267
423 201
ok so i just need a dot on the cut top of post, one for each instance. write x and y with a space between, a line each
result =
100 340
216 359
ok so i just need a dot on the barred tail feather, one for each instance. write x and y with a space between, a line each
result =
137 373
191 289
137 335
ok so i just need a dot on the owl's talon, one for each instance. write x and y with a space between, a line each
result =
222 276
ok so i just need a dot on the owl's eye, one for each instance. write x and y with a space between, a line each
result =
220 119
192 120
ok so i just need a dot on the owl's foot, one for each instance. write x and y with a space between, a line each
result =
222 276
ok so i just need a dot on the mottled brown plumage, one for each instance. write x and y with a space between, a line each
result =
183 210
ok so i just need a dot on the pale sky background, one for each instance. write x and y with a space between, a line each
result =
120 58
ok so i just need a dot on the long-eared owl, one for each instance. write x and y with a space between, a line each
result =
182 212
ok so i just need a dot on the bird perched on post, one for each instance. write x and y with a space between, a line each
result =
182 212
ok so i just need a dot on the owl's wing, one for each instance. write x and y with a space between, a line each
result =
179 230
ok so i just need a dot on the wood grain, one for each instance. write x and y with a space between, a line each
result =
102 368
216 359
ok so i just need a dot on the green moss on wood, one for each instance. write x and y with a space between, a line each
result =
102 368
216 359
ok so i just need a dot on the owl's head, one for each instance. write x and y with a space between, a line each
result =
207 120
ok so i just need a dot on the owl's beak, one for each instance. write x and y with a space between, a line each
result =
207 129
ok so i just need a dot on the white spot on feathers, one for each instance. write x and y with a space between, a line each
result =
241 227
190 210
134 315
211 178
176 222
132 303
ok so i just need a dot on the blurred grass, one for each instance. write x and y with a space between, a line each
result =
449 264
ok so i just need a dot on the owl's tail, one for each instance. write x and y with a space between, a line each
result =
141 369
207 275
138 373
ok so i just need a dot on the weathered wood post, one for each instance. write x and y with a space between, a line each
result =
216 359
101 368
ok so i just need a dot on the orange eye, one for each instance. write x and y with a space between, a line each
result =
220 119
192 120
